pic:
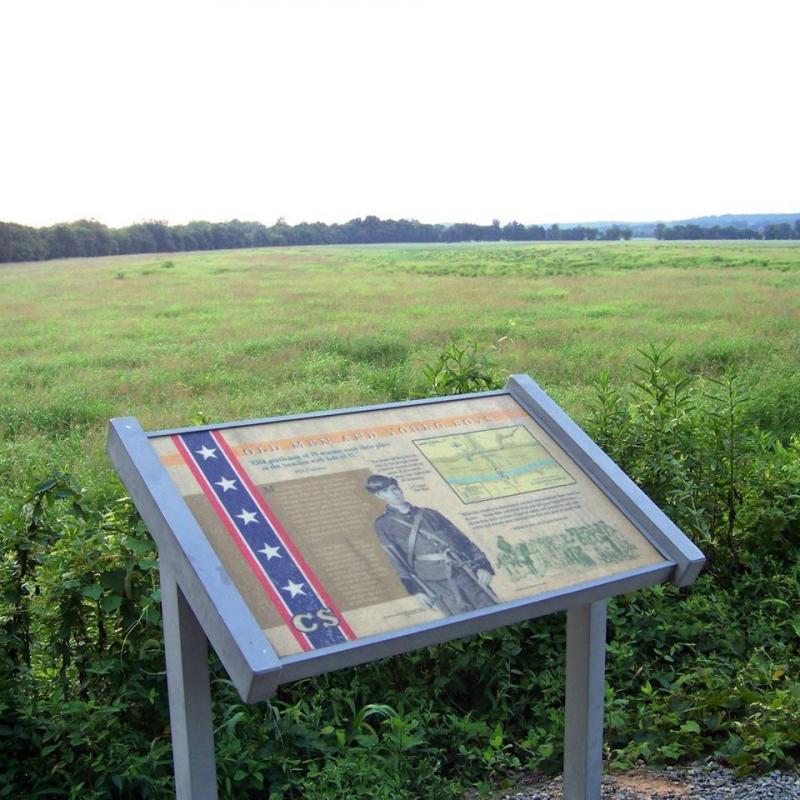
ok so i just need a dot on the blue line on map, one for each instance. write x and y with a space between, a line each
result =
506 473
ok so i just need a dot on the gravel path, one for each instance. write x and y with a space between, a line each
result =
709 782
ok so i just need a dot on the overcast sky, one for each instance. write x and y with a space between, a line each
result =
439 111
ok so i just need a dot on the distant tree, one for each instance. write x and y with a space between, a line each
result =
536 233
779 230
198 235
141 238
92 238
493 232
21 243
61 241
462 232
514 232
692 231
575 234
732 232
279 232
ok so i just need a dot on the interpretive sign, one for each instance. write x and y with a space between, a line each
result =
303 544
341 527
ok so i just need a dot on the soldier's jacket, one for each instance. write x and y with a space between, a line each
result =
439 549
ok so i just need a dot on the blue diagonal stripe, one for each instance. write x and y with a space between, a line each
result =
257 533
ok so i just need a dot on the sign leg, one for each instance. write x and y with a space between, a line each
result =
189 695
583 736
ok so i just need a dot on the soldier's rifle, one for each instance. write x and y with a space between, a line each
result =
423 589
450 553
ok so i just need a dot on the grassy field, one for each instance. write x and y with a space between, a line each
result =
248 333
174 339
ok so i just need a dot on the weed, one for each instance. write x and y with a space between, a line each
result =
691 445
461 369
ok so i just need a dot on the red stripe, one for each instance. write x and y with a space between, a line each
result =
257 569
316 584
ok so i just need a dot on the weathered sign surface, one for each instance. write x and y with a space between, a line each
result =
339 527
299 545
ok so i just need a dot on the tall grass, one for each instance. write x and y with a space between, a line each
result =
710 431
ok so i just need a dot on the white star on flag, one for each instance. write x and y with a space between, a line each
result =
207 452
226 483
269 552
246 516
294 588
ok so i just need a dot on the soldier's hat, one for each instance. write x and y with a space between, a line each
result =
377 483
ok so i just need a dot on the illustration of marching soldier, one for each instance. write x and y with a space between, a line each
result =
436 562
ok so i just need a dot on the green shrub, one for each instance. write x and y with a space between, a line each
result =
693 447
461 369
711 669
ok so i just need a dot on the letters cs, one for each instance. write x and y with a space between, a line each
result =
311 621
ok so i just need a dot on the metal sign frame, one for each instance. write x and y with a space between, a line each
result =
202 605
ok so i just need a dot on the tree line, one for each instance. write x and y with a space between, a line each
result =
91 238
778 230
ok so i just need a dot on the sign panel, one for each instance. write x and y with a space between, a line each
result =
299 545
334 528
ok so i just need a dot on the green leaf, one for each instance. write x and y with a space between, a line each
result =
690 727
92 592
497 737
230 725
111 603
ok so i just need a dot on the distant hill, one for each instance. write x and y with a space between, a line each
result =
755 222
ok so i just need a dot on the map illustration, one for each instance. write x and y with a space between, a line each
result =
493 463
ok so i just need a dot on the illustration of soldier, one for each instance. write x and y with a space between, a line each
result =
436 562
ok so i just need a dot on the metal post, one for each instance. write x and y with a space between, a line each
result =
189 695
583 735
